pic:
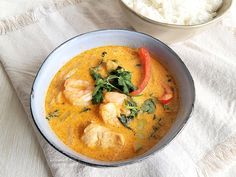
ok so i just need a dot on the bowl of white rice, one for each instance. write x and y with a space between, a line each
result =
173 20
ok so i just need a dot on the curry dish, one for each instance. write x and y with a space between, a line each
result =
112 103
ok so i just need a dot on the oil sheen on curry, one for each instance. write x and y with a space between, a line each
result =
112 103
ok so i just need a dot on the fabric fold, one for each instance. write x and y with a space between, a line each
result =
207 141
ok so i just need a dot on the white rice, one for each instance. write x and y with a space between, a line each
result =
181 12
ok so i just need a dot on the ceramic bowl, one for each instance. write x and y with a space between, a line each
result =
170 33
63 53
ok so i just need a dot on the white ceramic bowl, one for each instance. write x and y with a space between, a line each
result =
63 53
170 33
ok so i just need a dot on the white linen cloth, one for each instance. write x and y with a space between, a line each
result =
205 147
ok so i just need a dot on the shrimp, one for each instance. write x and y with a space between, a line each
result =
112 107
70 73
78 92
97 135
59 98
114 97
109 113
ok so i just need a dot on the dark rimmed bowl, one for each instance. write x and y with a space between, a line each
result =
63 53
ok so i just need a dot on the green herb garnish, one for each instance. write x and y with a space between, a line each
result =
53 114
149 106
130 105
97 96
124 121
154 130
122 80
156 127
119 80
101 85
160 123
94 71
95 75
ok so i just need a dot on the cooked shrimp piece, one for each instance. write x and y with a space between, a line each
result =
78 92
112 107
59 98
114 97
70 73
109 113
97 135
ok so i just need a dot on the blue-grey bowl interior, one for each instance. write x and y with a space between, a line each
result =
63 53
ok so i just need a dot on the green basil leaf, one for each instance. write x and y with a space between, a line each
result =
149 106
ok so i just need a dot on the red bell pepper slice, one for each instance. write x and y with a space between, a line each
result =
146 65
168 94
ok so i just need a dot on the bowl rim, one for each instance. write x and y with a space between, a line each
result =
215 19
189 114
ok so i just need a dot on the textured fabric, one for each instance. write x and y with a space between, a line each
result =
205 147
